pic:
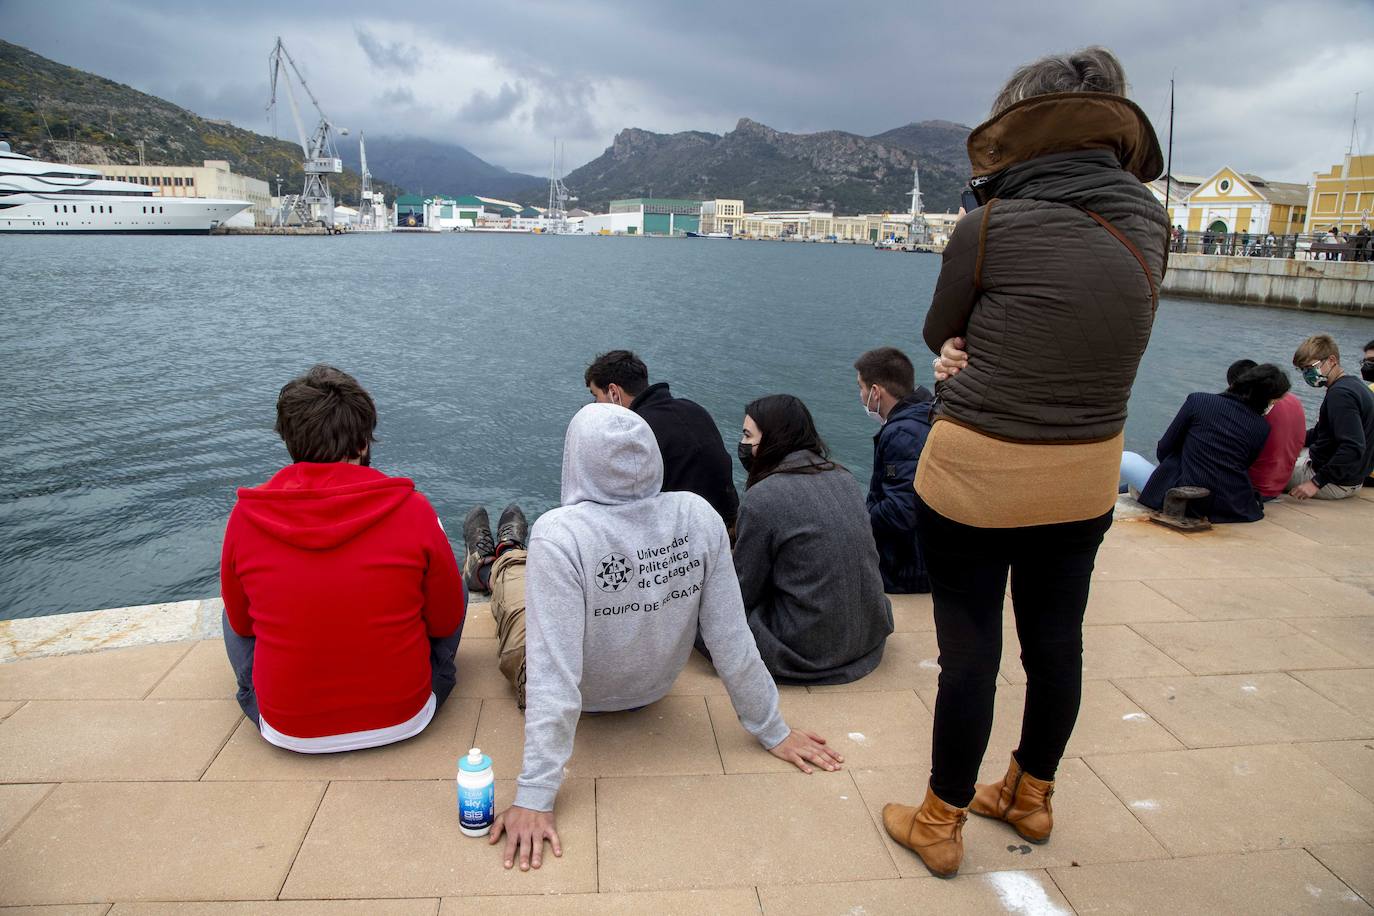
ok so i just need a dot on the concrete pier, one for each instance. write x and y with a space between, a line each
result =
1341 287
1223 762
269 230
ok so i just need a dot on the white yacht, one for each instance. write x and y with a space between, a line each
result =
50 197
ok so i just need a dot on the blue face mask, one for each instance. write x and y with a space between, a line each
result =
1312 375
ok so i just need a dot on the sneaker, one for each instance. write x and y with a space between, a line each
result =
512 530
481 549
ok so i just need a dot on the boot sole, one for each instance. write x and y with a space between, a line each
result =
1017 830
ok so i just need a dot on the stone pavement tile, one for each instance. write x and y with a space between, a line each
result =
1238 647
670 737
478 675
416 907
1351 636
1128 601
157 841
1028 892
1133 561
115 740
203 674
1235 561
698 678
666 832
1353 864
872 729
8 707
432 754
17 801
1108 652
912 613
401 839
725 901
1108 723
1090 823
1237 799
1328 528
1349 597
1219 710
1279 881
910 661
1352 761
1264 532
1142 533
478 622
1344 561
1352 688
114 674
1242 599
75 909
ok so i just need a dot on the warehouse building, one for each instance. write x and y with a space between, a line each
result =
655 216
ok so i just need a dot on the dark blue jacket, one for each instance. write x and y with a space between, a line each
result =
892 493
1211 443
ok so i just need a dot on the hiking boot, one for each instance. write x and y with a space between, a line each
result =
934 831
512 530
1019 799
481 549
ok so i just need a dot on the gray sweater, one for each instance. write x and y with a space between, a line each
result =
808 570
618 582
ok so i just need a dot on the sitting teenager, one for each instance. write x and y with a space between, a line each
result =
343 605
1340 448
1287 428
1212 443
804 553
890 395
694 455
620 580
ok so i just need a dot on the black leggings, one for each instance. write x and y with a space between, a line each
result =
1050 567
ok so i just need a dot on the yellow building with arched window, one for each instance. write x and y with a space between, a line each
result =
1342 196
1231 201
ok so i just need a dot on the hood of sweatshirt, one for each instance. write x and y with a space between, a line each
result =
320 506
610 456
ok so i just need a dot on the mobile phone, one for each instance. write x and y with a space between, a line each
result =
968 200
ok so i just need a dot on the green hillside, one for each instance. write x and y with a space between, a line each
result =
55 112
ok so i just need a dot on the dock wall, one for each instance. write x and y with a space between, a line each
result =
1342 287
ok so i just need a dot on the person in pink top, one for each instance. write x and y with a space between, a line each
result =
1287 430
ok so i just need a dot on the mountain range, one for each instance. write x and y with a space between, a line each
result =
427 166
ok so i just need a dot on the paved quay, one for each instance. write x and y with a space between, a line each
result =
1223 763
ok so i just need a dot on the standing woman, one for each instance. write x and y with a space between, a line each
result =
1044 305
804 552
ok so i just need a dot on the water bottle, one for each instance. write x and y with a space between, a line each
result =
476 793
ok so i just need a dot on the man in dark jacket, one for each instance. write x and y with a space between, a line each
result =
890 395
1340 448
694 456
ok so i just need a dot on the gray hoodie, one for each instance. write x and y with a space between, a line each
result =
618 581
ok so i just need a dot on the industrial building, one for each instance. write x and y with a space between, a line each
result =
649 216
213 179
722 215
1343 196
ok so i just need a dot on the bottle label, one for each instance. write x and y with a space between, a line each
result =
476 807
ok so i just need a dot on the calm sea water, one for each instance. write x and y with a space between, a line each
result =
138 376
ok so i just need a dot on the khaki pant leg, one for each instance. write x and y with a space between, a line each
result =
508 608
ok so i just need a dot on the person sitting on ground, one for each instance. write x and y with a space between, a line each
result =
1340 448
1367 365
804 553
890 395
496 566
1287 428
1212 443
620 580
694 455
343 604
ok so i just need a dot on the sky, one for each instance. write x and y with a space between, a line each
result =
1265 87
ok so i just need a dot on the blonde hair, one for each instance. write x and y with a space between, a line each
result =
1093 69
1318 347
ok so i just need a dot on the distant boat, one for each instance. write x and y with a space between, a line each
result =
889 244
708 235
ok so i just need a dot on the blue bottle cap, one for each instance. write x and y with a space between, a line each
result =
474 761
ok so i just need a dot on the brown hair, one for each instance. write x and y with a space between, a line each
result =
325 415
1317 347
1093 69
889 367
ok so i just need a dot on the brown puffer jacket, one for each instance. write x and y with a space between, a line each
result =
1054 282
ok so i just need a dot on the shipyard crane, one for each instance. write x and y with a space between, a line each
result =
919 233
556 216
371 204
315 203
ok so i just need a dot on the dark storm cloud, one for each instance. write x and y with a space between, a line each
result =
393 55
1264 86
488 108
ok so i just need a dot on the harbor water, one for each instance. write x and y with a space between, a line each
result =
138 375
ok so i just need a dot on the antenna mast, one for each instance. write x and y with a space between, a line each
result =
1354 119
1169 164
315 203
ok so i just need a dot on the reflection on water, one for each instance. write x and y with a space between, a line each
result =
140 374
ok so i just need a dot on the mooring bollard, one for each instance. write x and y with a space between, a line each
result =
1175 511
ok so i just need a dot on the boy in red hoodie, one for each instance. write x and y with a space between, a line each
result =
343 604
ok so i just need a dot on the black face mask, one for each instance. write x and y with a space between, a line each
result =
746 456
1367 370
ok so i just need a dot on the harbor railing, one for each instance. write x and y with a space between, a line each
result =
1317 246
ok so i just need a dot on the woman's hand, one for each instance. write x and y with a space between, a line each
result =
952 359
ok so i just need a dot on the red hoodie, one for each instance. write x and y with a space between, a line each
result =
342 574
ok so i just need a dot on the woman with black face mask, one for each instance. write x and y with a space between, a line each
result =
1367 365
804 552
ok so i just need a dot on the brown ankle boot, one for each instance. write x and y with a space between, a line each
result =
934 831
1019 799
